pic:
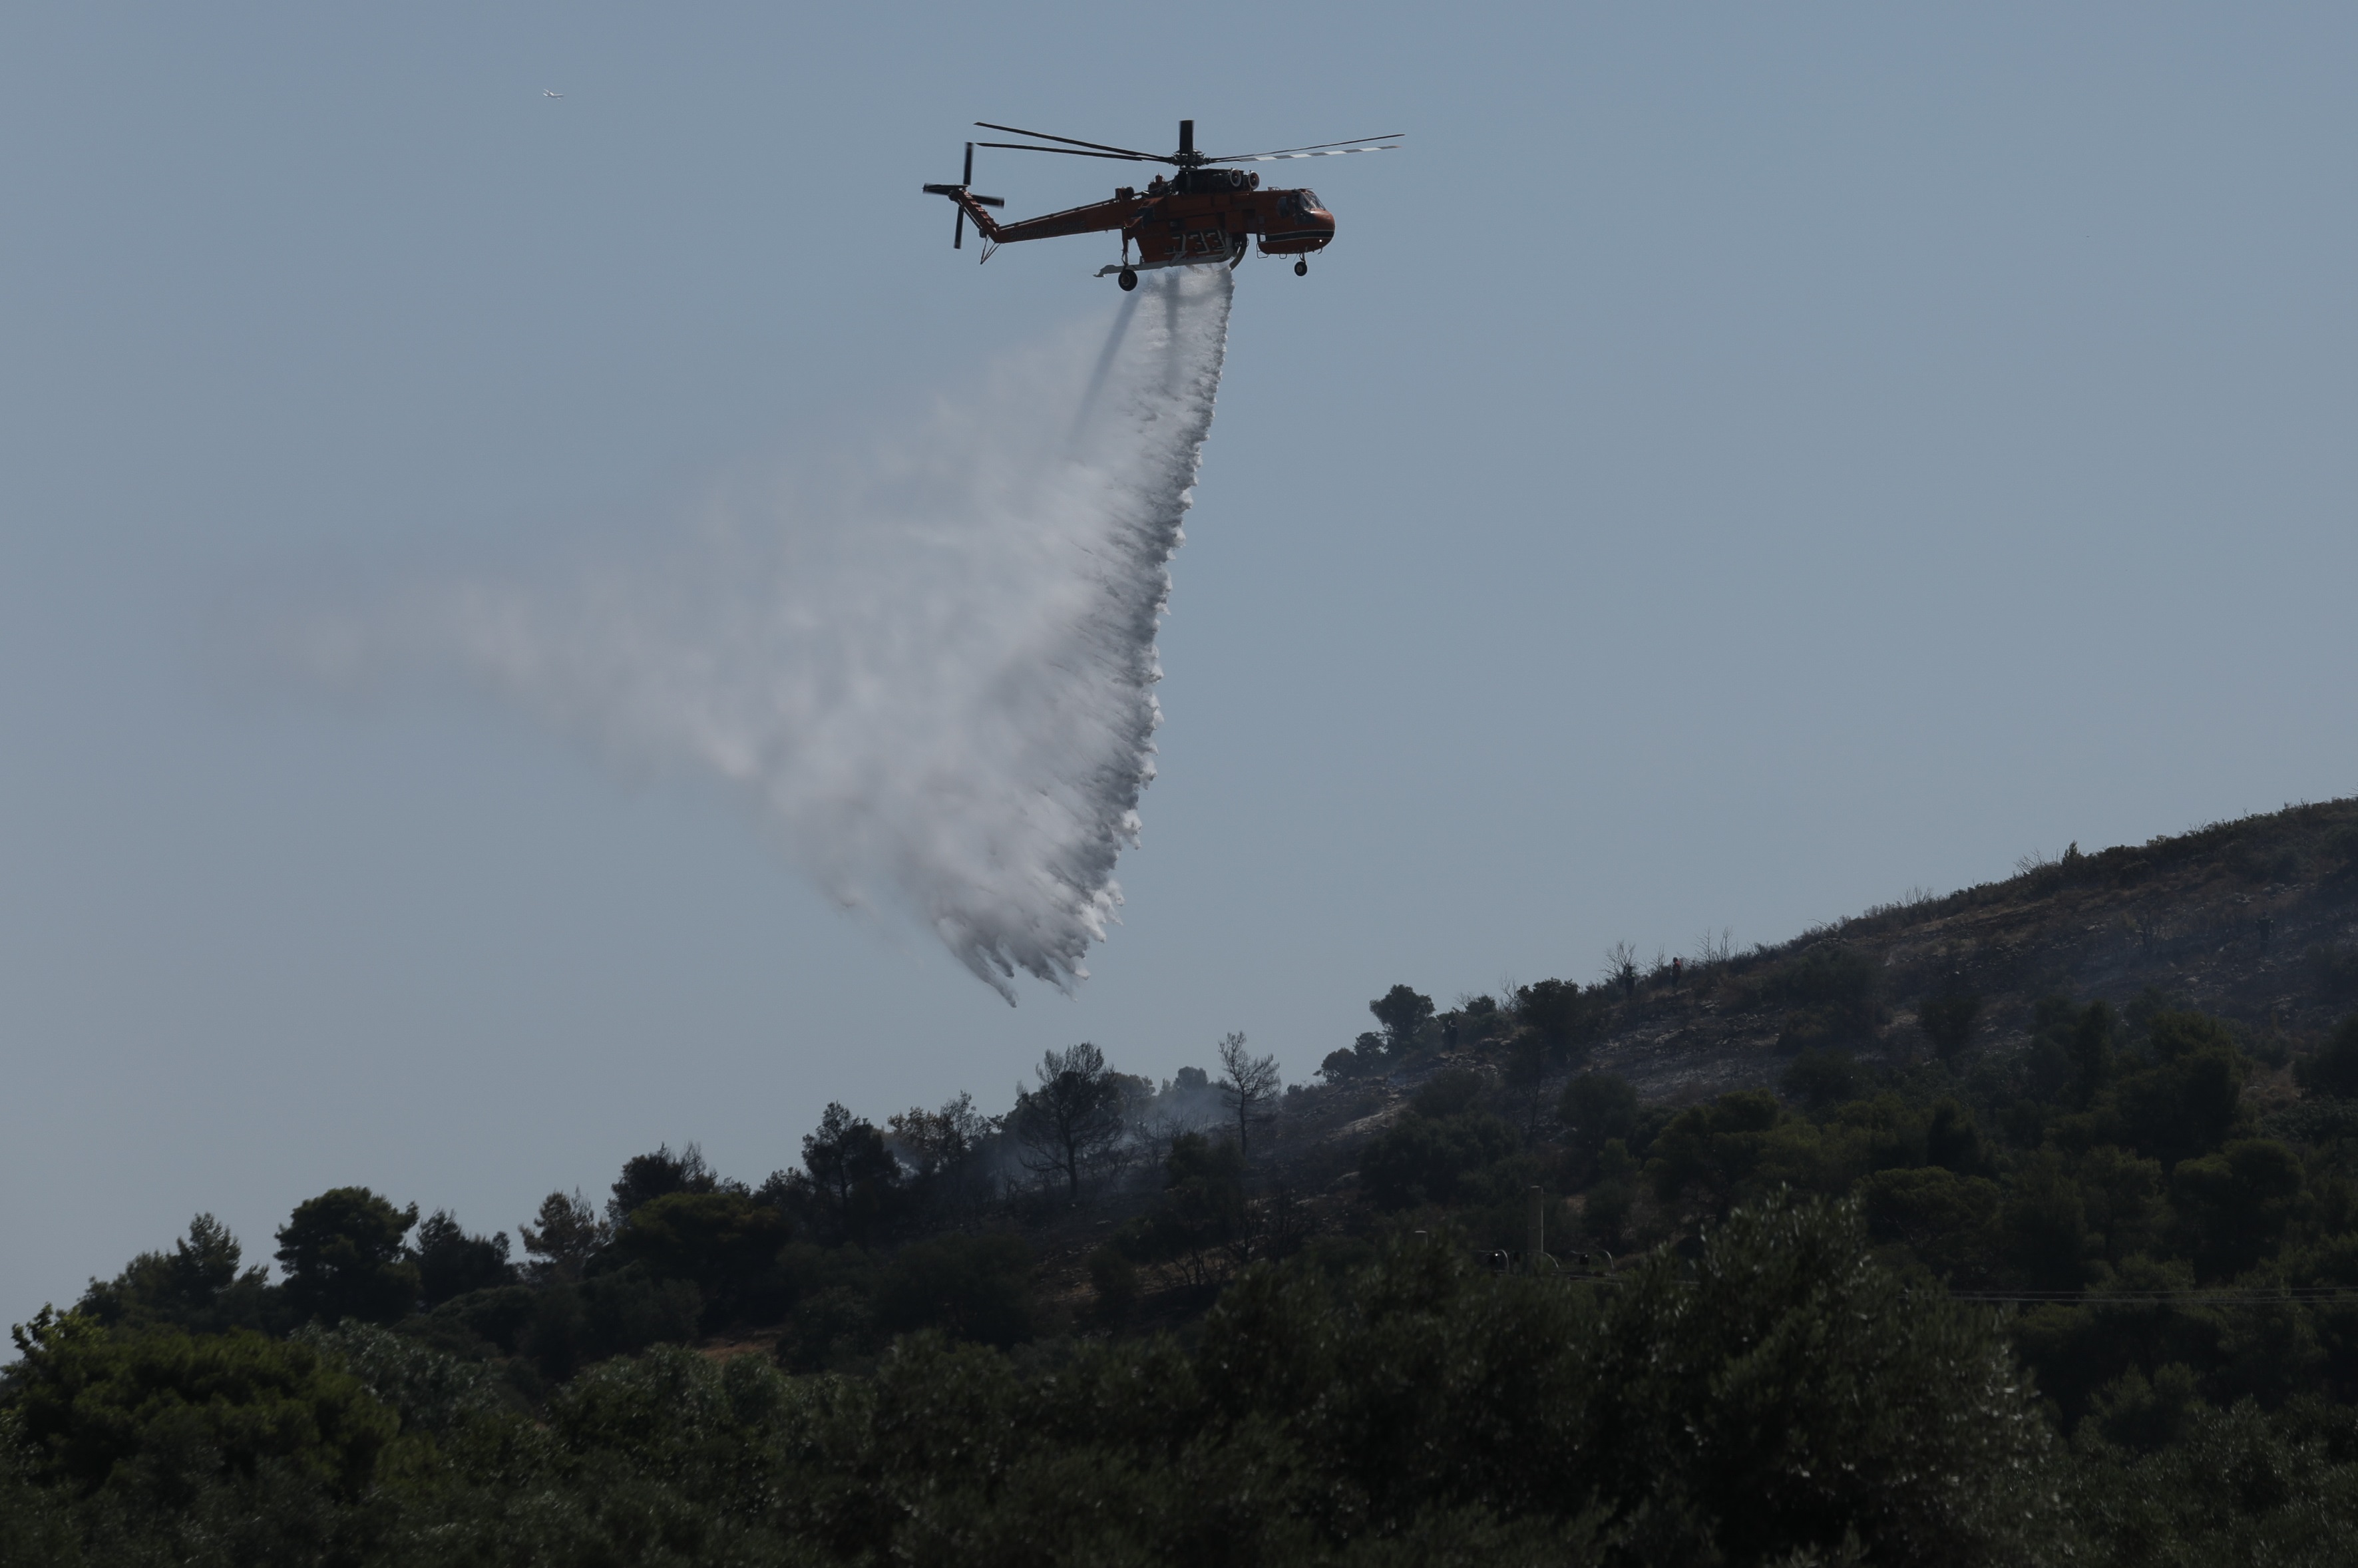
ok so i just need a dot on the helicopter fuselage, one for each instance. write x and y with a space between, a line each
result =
1200 216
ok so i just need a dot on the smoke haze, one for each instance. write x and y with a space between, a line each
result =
934 666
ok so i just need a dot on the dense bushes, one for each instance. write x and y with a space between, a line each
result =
1831 992
2129 1164
160 1412
1779 1396
2149 1365
1429 1159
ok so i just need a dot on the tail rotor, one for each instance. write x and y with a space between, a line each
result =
963 188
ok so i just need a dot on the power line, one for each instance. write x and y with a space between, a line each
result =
2162 1298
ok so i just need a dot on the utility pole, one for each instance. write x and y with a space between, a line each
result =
1535 1230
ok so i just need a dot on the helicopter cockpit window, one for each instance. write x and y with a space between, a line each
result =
1310 198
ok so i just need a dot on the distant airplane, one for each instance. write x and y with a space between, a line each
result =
545 93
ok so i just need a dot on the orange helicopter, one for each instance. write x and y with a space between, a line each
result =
1201 215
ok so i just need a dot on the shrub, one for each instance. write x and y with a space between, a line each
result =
968 1287
1830 990
2332 1072
2332 969
1820 1078
1421 1159
1714 1147
1597 1107
628 1309
1115 1280
1448 1093
1948 1018
498 1316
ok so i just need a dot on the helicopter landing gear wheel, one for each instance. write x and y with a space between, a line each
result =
1128 280
1302 269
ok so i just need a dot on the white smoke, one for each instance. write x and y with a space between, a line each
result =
934 668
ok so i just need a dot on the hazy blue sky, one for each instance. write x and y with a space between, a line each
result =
1735 465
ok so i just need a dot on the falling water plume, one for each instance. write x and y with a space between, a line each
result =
935 670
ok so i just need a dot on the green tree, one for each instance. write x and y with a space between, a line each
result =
1946 1218
853 1176
563 1236
180 1408
1526 1074
197 1285
1605 1208
1558 1012
1950 1138
2234 1204
2091 1051
1421 1159
450 1262
1202 1210
1595 1107
2188 1100
968 1287
726 1242
1073 1116
625 1307
2044 1222
646 1177
2121 1195
343 1257
1713 1148
943 1149
1403 1012
1791 1392
1780 1397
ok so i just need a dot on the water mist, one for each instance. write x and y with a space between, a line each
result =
934 669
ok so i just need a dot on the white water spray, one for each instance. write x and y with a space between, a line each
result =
937 674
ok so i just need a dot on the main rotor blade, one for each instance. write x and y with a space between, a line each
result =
1068 141
1076 152
1355 144
1280 158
